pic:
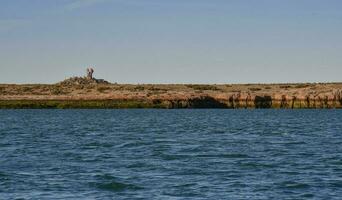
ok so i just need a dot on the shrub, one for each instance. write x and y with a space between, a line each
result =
254 89
157 89
102 89
139 88
203 87
285 86
26 89
302 85
57 90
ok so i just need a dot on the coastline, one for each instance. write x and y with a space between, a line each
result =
172 96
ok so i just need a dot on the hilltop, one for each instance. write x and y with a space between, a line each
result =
82 81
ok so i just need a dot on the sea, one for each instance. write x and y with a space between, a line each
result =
170 154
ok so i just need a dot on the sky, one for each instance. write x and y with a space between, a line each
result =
171 41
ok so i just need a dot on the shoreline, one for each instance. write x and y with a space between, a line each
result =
172 96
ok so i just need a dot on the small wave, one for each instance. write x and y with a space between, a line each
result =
3 176
336 184
254 165
117 186
95 145
185 185
132 144
294 185
139 165
308 195
110 182
105 176
230 155
170 157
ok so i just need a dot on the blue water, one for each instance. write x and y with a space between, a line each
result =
170 154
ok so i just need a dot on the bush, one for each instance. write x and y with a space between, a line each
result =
2 89
302 85
203 87
139 88
285 86
102 89
57 91
254 89
157 89
26 89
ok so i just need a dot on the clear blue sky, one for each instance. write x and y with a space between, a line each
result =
171 41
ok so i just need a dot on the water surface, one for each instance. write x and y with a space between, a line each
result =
170 154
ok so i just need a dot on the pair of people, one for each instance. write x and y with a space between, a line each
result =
90 72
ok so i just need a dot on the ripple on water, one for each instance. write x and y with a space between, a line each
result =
111 183
227 155
4 177
177 154
116 186
293 185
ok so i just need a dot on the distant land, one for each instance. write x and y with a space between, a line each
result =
88 92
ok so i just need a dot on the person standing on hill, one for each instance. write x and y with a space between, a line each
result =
90 72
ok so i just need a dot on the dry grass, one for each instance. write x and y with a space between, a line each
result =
163 91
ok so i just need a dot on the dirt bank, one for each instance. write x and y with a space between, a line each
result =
100 94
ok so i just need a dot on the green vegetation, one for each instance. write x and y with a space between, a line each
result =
57 91
89 104
103 89
285 86
254 89
302 86
139 88
203 87
206 102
